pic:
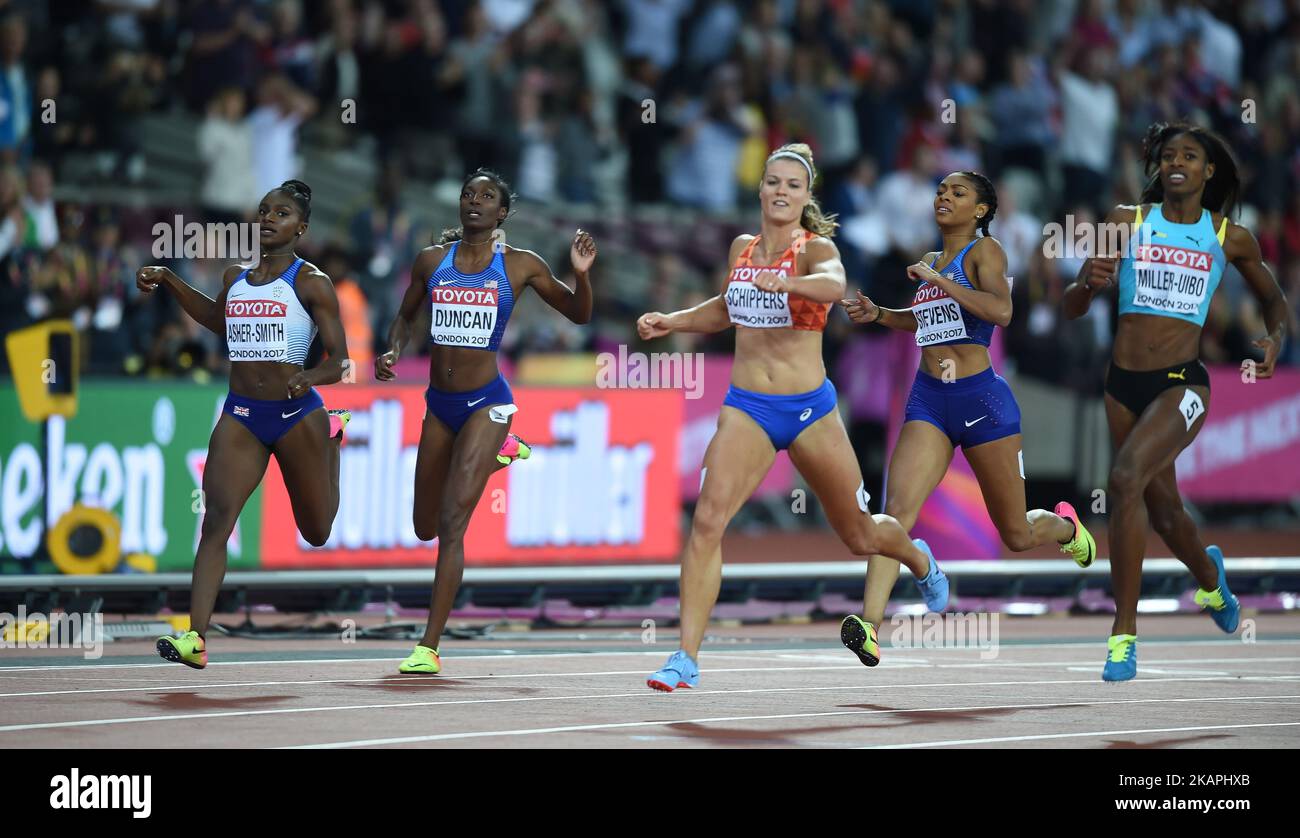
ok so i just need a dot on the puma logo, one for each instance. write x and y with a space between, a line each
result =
1181 375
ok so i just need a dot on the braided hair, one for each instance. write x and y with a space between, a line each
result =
984 194
455 234
300 194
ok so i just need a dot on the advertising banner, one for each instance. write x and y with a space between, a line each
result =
1249 447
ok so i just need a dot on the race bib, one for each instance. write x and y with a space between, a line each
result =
257 330
753 307
463 316
1170 280
938 317
1191 406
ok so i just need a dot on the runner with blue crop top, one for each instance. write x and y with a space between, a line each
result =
268 314
957 398
472 281
1157 391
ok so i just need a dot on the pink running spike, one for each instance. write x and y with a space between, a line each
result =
338 421
510 448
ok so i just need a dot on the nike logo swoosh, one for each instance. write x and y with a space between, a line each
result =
977 421
287 415
476 401
446 281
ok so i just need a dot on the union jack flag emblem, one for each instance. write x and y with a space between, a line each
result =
241 411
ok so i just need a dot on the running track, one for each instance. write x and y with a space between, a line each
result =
763 686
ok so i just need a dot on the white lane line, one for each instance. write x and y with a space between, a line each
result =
441 737
495 654
402 679
994 739
15 728
1071 666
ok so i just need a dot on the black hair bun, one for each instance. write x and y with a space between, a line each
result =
297 186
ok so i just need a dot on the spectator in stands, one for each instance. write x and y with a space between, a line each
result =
281 108
42 221
1021 113
226 140
288 49
1090 108
476 67
905 204
13 220
15 90
340 65
112 296
641 130
381 231
703 169
61 285
226 36
652 29
354 314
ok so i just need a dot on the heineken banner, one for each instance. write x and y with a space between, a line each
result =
600 486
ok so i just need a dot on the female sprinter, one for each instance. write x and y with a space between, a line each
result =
1157 391
268 316
473 285
781 285
957 398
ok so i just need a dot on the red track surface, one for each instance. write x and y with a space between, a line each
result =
767 686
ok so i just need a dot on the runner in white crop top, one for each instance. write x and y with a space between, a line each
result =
268 315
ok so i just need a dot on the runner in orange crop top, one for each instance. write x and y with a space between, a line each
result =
778 298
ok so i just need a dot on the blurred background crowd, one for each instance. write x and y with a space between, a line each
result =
645 121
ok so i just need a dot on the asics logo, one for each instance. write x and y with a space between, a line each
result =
803 417
476 401
1195 239
287 415
977 421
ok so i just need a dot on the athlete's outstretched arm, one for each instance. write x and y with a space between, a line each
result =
1242 250
573 303
316 293
400 332
823 281
991 298
1098 272
207 312
706 318
865 312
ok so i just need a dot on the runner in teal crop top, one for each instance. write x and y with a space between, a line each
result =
1157 391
